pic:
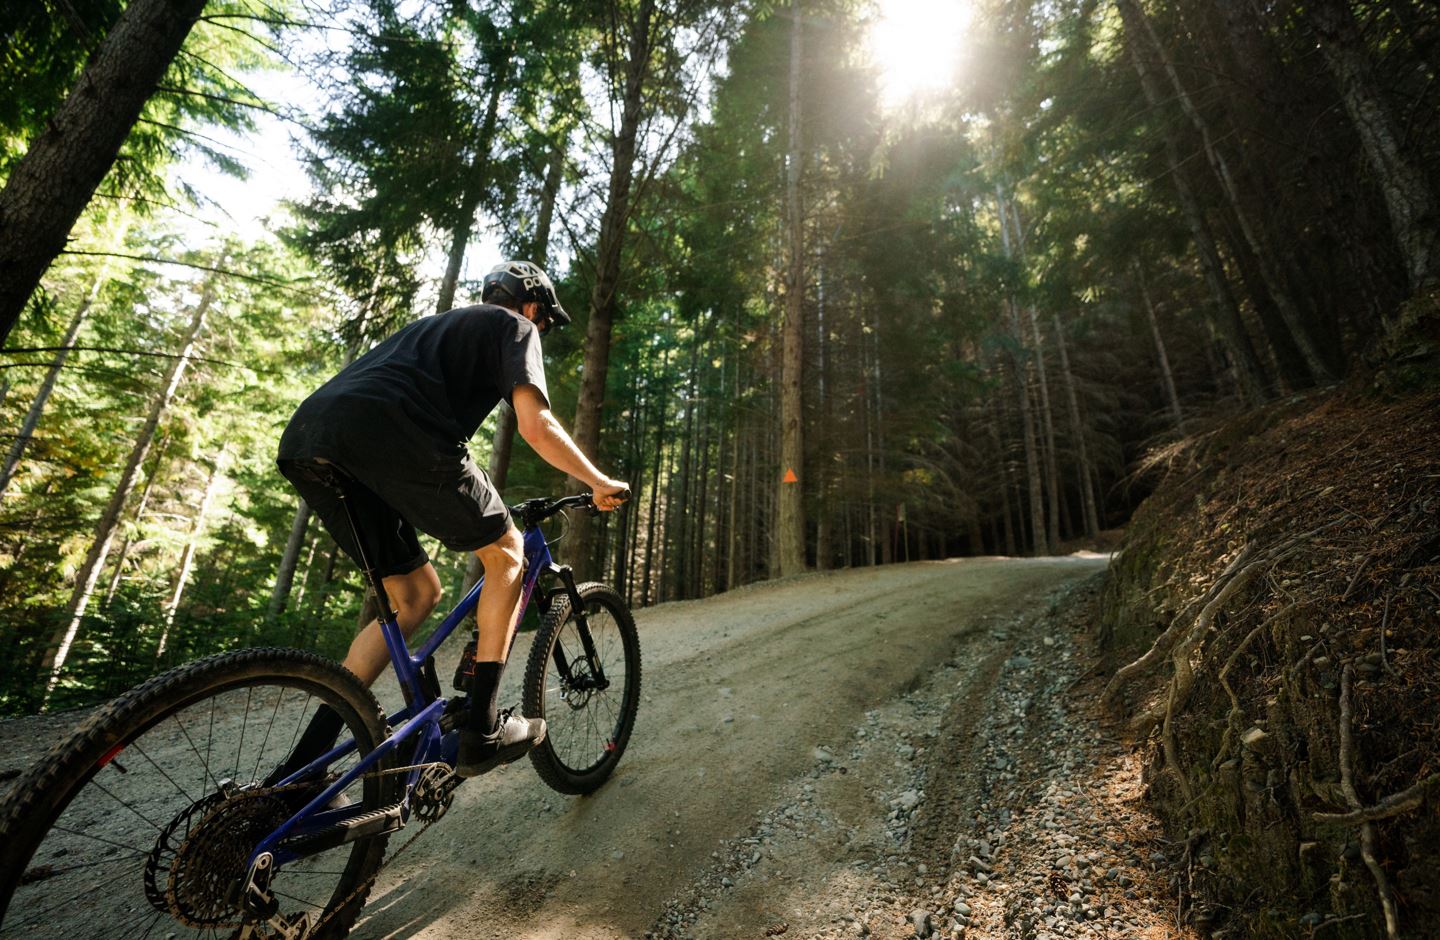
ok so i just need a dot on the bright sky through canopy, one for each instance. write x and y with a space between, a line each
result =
916 45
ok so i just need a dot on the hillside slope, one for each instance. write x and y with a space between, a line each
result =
1274 619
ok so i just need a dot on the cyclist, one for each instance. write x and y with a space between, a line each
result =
396 421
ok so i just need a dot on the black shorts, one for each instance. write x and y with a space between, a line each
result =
448 497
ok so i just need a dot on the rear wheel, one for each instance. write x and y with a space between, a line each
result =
588 697
141 823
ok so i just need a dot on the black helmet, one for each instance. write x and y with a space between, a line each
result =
524 282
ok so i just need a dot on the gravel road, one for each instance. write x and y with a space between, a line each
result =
891 752
776 774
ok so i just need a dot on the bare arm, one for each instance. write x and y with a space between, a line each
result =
544 433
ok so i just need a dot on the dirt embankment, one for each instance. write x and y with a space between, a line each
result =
1278 605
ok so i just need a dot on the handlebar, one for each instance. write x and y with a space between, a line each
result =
535 511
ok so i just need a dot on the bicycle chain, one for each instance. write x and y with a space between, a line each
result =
370 882
310 785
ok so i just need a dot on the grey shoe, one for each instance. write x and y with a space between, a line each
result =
512 738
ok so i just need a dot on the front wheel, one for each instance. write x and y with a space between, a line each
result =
585 683
140 824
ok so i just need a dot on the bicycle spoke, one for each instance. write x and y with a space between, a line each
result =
92 861
141 751
102 788
50 873
83 891
86 835
205 768
244 721
210 736
153 922
255 774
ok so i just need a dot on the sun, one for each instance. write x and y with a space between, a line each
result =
916 45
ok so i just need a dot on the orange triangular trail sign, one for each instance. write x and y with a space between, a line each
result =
790 476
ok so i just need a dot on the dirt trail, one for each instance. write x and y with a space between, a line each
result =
743 693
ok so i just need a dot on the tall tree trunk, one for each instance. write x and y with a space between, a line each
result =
1408 198
1077 427
1047 420
118 567
1032 462
59 646
1047 425
1022 385
680 532
37 407
303 572
791 522
1002 454
285 574
1227 311
614 221
1167 377
732 527
824 523
1289 363
478 180
654 484
1139 28
51 185
187 557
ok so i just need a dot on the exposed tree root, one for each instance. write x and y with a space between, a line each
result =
1182 639
1395 804
1167 640
1367 828
1184 678
1236 718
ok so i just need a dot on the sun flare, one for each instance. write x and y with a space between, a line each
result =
916 45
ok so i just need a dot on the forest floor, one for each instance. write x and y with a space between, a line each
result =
886 752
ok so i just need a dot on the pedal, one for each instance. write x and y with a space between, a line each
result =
374 823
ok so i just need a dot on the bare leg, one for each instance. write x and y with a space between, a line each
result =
489 741
414 596
499 596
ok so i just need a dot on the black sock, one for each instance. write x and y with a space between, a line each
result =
317 738
484 685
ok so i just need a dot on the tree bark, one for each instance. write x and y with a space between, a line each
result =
118 571
1038 529
1166 376
1002 455
1087 490
1139 29
791 522
1047 419
613 223
187 557
285 575
1227 311
60 641
1408 199
37 407
54 181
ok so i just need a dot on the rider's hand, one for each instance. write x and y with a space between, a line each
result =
610 494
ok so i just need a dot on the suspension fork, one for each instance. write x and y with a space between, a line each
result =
582 625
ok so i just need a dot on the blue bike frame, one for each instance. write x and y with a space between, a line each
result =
420 718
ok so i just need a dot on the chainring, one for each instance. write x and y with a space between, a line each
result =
433 793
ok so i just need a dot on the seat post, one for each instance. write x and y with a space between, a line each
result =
376 584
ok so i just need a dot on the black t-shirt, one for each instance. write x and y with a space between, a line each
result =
423 391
